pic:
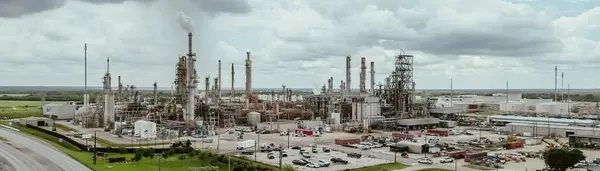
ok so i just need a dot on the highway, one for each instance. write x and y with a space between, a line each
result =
25 153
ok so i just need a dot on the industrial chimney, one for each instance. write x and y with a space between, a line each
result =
348 88
207 89
219 83
363 74
329 81
191 84
232 83
283 93
248 76
372 92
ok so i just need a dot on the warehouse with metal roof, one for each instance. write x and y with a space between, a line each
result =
539 120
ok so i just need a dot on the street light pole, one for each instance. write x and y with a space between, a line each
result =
95 138
288 134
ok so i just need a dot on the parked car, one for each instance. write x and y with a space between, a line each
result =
248 152
270 156
305 154
314 150
323 163
327 150
354 155
339 160
446 160
283 154
296 147
312 165
299 162
425 161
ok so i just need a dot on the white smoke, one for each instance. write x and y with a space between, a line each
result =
185 22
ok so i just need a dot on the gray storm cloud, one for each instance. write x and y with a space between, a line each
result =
185 22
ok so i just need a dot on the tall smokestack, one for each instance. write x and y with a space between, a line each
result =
562 86
207 88
348 88
372 92
190 43
120 91
219 84
331 84
342 85
155 93
216 90
329 81
191 85
248 76
232 83
555 82
363 74
85 95
283 93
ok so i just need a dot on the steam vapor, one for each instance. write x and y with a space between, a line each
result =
185 22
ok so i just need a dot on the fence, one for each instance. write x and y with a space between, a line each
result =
98 149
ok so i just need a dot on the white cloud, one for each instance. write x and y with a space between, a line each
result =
478 43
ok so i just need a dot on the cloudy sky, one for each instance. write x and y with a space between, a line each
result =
301 43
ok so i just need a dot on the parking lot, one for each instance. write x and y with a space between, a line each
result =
294 154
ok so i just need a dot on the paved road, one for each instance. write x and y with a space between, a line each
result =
24 153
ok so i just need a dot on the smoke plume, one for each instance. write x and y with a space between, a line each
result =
185 22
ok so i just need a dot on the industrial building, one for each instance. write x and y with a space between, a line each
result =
59 111
542 129
501 119
36 121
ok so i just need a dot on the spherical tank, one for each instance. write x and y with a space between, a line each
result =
253 118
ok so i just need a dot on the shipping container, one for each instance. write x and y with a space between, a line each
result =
469 157
458 154
347 141
514 145
439 132
402 136
472 106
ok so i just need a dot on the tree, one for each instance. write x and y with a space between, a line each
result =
139 153
562 159
288 167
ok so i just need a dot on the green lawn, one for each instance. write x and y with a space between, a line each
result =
107 143
433 169
388 166
172 163
478 167
65 128
3 139
19 109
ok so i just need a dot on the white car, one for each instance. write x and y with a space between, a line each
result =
323 163
446 160
425 161
312 165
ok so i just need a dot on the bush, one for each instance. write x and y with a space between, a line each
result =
139 153
149 153
122 150
171 152
182 157
165 155
116 159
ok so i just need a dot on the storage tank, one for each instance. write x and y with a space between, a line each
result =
336 118
552 108
253 118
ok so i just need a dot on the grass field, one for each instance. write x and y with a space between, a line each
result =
172 163
433 169
18 109
107 143
2 139
388 166
65 128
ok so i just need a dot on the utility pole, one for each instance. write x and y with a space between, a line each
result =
288 134
95 152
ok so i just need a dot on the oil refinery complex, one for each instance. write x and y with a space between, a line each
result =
348 125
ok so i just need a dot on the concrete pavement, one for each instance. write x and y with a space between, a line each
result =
33 154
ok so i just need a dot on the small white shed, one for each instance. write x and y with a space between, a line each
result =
59 111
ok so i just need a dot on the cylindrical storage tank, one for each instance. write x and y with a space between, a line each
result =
336 118
253 118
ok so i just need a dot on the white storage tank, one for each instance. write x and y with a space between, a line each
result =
253 118
144 129
336 118
553 108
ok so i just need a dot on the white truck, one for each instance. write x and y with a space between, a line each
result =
246 144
